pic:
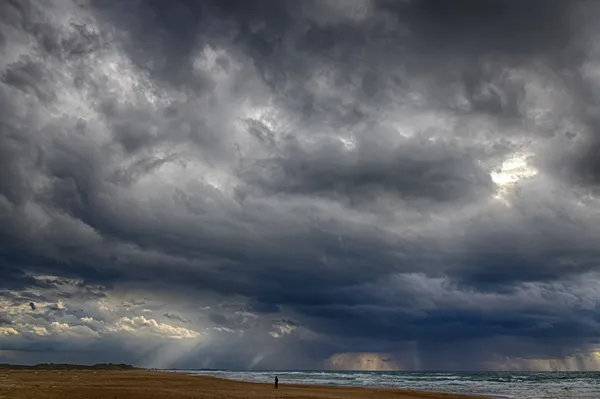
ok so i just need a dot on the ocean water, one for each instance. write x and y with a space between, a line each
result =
513 385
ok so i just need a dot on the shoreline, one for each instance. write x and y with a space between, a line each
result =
332 386
138 384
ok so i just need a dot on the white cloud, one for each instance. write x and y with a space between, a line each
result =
6 331
281 329
143 326
64 330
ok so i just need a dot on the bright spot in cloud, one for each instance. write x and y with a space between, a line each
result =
140 324
513 170
6 331
281 329
348 142
214 62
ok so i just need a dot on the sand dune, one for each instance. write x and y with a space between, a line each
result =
77 384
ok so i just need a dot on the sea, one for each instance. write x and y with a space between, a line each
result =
500 385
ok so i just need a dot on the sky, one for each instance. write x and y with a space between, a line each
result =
357 184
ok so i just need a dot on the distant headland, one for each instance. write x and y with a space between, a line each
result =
66 366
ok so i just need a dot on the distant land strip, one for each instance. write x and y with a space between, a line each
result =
66 366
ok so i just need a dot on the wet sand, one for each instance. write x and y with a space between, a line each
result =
77 384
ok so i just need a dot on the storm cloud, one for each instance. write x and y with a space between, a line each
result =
300 184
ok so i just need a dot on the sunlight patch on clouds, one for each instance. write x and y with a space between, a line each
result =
37 330
349 142
361 361
140 324
281 329
54 329
268 115
66 330
14 309
6 331
513 170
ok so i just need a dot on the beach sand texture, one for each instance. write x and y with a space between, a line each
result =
77 384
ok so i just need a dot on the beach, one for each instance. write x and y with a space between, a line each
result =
78 384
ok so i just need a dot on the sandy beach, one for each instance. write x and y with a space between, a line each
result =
77 384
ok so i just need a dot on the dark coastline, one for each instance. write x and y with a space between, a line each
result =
68 366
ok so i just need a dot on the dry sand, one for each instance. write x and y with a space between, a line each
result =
77 384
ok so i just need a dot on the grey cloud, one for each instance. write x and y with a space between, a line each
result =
171 316
468 26
409 168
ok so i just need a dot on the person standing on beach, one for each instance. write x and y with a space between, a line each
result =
276 382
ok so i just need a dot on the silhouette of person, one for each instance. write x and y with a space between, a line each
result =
276 382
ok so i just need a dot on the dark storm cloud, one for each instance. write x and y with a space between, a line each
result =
519 28
407 168
343 169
